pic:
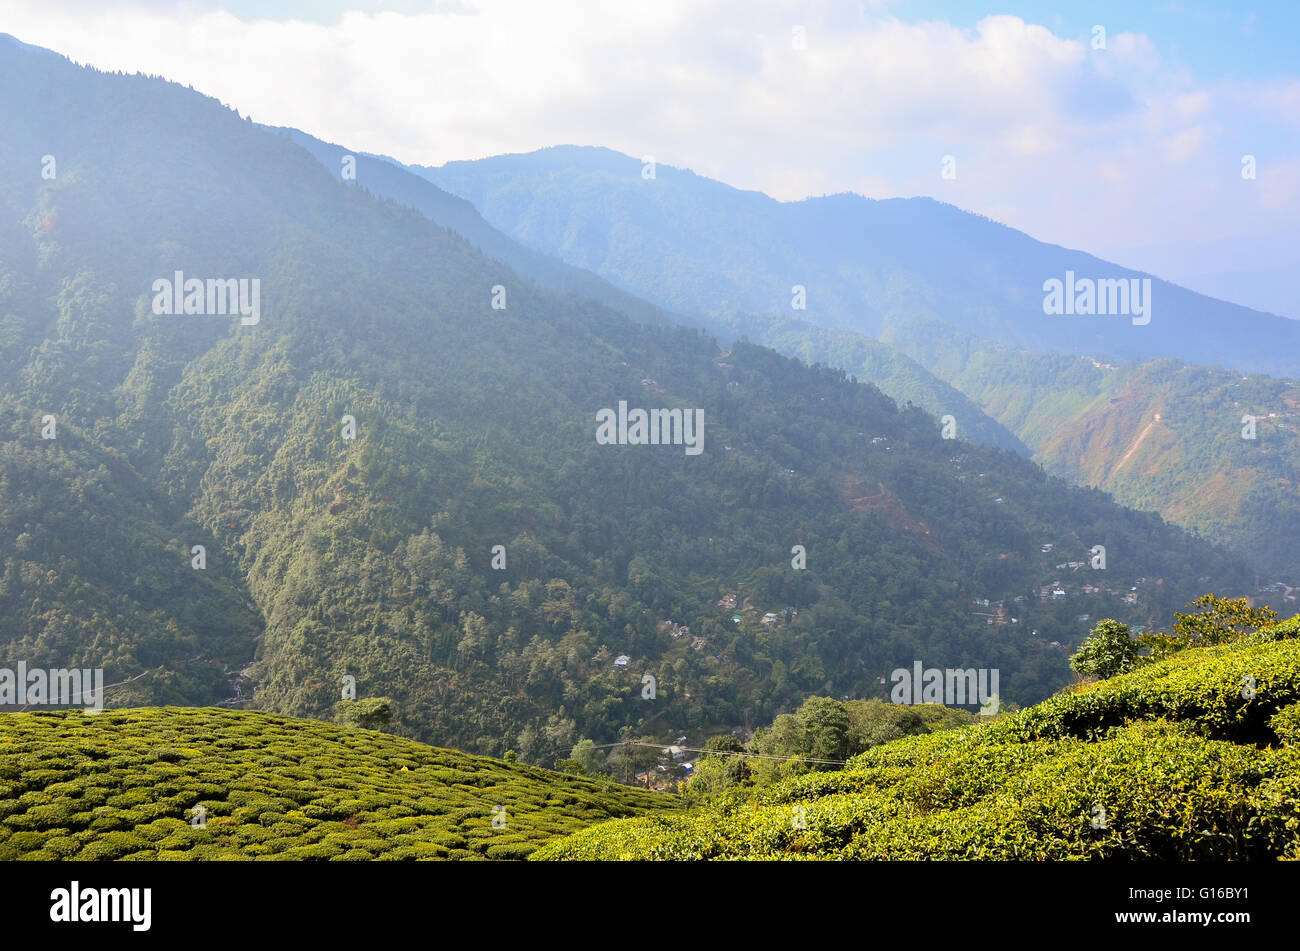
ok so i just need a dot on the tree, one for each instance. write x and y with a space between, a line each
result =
1220 621
588 757
872 722
724 743
785 737
530 744
722 766
1109 650
826 729
634 755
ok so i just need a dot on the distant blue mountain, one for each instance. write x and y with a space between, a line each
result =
884 268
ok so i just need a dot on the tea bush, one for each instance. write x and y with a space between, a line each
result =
122 785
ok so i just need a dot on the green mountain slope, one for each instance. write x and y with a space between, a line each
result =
1161 435
475 426
96 571
1177 761
867 359
126 784
387 178
871 361
958 298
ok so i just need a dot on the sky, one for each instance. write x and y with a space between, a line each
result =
1117 128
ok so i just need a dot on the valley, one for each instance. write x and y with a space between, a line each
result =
353 510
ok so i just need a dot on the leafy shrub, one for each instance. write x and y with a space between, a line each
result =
1108 650
1286 723
113 845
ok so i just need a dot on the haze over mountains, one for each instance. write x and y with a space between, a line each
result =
472 392
895 373
1123 426
962 297
418 513
874 267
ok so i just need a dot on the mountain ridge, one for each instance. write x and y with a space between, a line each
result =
963 282
357 457
898 375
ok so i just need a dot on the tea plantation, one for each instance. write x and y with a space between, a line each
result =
1194 757
123 784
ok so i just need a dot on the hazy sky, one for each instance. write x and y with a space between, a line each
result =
1132 151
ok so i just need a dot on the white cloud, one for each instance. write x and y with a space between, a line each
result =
1036 120
1183 145
1112 174
1192 104
1135 50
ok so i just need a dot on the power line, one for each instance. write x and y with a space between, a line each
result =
694 749
82 693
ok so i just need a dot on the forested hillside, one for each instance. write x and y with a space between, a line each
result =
97 571
403 404
954 297
1212 450
897 375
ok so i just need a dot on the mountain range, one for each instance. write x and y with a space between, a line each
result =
388 477
882 268
946 308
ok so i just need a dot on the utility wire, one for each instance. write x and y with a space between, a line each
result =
694 749
82 693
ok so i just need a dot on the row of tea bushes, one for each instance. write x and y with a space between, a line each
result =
126 784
